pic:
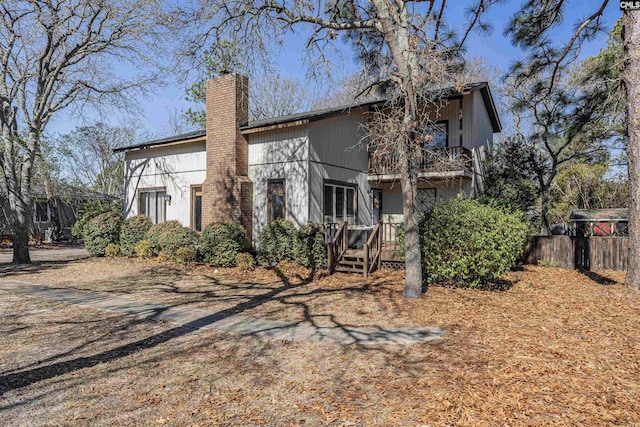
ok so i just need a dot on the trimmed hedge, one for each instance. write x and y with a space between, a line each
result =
100 231
133 231
220 243
169 236
310 247
276 242
469 243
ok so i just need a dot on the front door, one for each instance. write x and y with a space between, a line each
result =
376 203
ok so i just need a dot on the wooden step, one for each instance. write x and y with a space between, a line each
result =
357 253
351 264
342 269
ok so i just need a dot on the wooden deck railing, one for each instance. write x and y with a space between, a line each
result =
436 160
337 246
372 251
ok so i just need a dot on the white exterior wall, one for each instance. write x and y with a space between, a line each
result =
335 154
280 154
175 167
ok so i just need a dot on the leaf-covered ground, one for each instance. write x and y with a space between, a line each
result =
554 347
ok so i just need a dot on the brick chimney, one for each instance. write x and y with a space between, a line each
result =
227 192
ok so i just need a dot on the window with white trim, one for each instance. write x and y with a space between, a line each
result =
152 204
340 202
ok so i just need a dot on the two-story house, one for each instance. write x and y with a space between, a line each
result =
305 167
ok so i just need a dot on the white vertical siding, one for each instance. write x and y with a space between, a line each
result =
175 167
280 154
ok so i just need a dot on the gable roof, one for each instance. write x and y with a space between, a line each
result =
315 115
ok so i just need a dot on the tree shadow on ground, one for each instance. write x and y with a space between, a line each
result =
322 325
9 269
598 278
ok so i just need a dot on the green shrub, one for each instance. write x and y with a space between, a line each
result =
276 242
133 230
163 257
144 248
470 243
220 243
245 261
102 230
170 236
310 247
91 209
282 267
186 255
113 250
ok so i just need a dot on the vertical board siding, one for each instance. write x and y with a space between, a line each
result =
337 141
280 154
175 167
580 253
482 128
337 152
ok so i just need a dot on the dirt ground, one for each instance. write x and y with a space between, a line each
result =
553 347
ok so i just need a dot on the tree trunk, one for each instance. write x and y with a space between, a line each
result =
19 215
413 257
631 79
544 212
21 245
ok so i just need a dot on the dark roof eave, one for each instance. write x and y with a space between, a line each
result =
311 116
162 141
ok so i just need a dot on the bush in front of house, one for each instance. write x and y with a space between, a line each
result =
470 243
167 237
276 242
91 209
102 230
186 255
133 231
220 243
113 250
144 249
245 261
310 247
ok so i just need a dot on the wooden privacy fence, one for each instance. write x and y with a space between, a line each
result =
580 253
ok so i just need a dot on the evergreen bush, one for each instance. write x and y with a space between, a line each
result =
169 236
91 209
144 249
186 255
245 261
276 242
469 243
310 247
220 243
113 250
133 231
102 230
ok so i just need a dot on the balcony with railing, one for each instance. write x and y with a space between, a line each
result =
433 161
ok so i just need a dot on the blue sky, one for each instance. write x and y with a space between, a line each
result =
495 49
